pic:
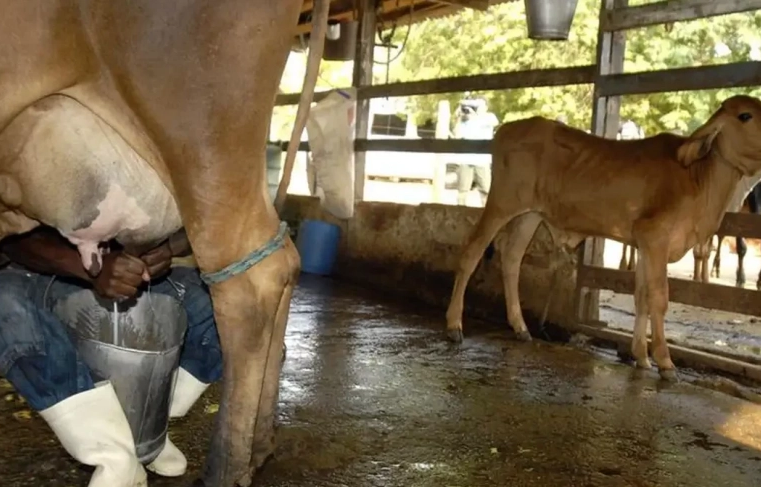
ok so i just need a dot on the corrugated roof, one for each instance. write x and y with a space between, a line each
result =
400 12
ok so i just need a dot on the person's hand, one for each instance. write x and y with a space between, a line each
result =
121 276
158 261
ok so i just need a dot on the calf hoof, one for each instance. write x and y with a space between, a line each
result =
454 335
643 363
669 375
523 336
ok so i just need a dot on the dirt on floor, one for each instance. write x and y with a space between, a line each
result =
373 395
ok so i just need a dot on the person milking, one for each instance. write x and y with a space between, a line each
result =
39 269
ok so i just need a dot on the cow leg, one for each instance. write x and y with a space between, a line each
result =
742 249
208 111
641 316
513 246
492 219
264 434
716 268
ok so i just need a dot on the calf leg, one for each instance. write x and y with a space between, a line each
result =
513 246
632 258
655 261
488 225
622 264
742 249
641 309
716 268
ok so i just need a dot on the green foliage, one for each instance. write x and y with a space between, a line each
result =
474 42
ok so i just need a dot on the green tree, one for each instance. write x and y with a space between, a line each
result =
474 42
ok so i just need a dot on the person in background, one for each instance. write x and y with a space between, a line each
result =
39 269
630 131
474 122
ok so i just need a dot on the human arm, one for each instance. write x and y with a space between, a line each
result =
45 251
159 260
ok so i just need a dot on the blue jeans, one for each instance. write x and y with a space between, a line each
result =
39 359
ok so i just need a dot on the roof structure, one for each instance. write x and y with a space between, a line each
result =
394 12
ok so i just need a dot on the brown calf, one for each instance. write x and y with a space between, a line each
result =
663 194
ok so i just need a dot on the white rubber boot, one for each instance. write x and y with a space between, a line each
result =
93 429
186 391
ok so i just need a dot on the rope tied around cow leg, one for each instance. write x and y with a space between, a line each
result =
275 243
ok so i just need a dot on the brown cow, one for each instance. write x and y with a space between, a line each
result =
664 194
174 99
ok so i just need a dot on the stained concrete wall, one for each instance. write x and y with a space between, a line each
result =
413 251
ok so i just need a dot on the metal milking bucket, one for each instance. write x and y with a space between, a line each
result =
137 349
549 19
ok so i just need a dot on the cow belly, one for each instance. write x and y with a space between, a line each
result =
64 167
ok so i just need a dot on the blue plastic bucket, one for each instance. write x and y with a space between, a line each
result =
317 244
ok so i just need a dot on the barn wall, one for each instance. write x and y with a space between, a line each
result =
413 251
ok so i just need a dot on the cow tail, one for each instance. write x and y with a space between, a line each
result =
320 13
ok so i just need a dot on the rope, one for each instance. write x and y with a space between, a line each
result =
387 40
249 261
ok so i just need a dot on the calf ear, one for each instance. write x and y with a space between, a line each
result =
699 144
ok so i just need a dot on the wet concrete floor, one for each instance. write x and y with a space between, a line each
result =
372 395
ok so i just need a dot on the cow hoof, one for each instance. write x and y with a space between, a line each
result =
669 375
455 335
523 336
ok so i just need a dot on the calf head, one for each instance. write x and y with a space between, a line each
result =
733 131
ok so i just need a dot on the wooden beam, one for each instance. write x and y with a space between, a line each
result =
392 7
672 11
482 82
681 355
733 75
485 82
422 11
482 5
692 293
438 146
605 120
363 76
435 146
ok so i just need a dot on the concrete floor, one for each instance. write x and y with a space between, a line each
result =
373 396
